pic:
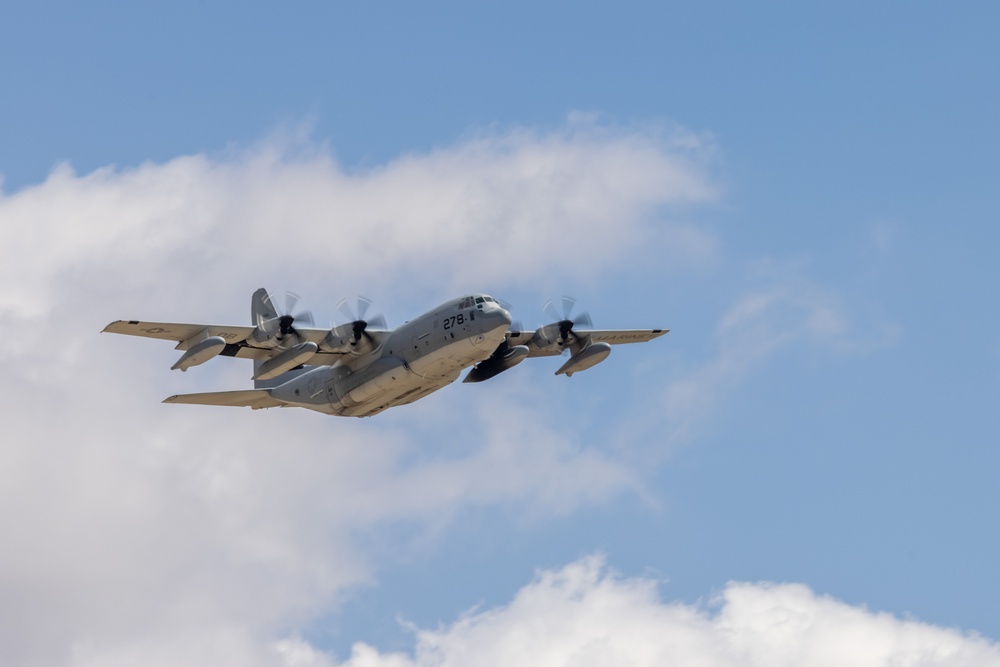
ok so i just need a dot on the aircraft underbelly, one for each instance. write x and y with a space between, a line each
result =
448 359
418 377
390 380
400 393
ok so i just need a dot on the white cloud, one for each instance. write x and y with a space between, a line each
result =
511 209
128 524
585 615
138 533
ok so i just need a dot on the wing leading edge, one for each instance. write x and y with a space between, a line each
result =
179 332
186 335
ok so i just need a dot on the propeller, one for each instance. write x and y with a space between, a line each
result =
358 324
566 323
285 319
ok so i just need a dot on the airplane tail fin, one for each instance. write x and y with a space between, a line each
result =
261 310
261 307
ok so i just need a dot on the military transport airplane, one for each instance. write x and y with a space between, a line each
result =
361 368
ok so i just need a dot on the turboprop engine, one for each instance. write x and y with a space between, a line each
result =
277 331
562 335
345 337
353 337
274 329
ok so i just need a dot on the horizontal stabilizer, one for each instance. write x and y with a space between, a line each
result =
247 398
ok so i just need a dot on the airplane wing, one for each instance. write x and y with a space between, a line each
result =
234 335
610 336
178 332
589 347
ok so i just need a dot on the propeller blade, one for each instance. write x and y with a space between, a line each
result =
291 298
377 322
269 324
364 304
283 323
358 323
268 311
550 332
343 307
565 323
549 309
568 302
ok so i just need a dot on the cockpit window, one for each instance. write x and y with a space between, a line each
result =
479 299
489 298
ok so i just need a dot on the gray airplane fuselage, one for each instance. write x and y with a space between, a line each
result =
412 361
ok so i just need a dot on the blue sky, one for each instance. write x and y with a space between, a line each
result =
805 196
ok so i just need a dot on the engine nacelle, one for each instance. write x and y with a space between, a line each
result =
589 356
200 352
339 339
349 338
546 336
265 336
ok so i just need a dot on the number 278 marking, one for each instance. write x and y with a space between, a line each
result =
449 322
